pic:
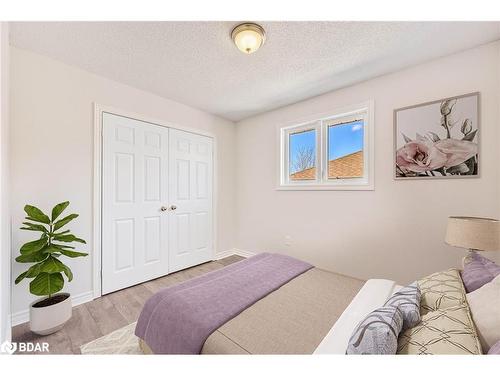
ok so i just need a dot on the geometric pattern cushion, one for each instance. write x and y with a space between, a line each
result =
444 331
441 290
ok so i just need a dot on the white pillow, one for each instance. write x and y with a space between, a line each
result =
484 304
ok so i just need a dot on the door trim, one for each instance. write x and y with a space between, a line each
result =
97 184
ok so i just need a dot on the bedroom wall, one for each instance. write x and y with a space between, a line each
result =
396 231
4 185
52 148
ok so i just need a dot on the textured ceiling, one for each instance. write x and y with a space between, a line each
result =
195 63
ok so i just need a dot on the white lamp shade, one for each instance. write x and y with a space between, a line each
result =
473 233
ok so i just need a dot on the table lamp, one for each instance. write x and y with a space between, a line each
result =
473 233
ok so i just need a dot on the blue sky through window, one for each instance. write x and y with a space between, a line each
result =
300 142
345 139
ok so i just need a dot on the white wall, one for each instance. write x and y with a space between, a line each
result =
396 231
51 149
4 185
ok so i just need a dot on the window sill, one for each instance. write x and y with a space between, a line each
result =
364 187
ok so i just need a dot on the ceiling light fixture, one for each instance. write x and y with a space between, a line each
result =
248 37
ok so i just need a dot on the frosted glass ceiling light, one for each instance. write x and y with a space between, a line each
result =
248 37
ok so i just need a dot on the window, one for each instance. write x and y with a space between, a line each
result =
345 149
302 155
333 152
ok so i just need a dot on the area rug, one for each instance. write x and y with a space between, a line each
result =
121 341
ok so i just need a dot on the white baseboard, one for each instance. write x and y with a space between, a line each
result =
24 315
227 253
243 253
223 254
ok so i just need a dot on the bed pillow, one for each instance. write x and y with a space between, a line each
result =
478 272
495 349
475 275
484 304
408 301
491 266
441 290
377 333
445 331
446 326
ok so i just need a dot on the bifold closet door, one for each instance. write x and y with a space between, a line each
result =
190 198
135 245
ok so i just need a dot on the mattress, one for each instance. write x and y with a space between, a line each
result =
292 320
179 319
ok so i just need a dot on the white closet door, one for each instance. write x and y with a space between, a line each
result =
190 198
135 188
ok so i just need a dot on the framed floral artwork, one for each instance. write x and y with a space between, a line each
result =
438 139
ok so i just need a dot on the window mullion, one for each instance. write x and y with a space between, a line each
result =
322 151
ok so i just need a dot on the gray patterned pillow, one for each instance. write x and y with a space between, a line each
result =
408 301
377 333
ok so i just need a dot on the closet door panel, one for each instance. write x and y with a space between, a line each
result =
134 189
191 223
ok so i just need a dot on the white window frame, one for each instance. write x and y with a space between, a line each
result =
287 132
363 111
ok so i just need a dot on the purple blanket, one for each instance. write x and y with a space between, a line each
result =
178 319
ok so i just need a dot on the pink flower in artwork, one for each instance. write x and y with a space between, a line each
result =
420 156
430 155
457 151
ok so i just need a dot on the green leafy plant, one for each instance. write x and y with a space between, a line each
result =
47 270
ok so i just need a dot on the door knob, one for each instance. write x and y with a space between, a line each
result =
173 207
163 208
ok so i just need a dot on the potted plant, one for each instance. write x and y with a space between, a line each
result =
48 314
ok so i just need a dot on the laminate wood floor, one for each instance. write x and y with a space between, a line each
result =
103 315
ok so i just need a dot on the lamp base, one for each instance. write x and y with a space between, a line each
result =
468 257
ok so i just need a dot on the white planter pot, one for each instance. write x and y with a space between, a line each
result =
49 319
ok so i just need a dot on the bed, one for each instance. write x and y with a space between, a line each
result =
312 312
308 314
291 320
